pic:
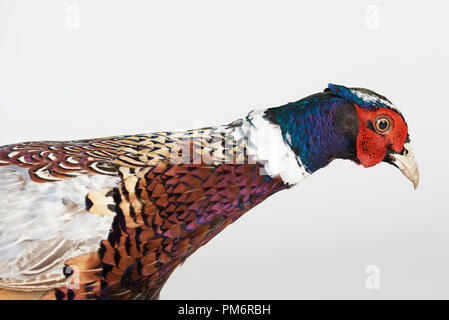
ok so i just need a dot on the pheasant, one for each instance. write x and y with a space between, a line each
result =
112 218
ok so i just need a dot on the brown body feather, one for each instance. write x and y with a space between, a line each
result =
163 210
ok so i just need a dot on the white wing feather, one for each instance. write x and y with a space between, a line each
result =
44 224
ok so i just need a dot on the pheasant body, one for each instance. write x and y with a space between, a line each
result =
113 217
149 214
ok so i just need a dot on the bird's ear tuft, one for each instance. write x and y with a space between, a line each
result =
364 98
340 91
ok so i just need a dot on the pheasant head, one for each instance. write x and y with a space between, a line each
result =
346 123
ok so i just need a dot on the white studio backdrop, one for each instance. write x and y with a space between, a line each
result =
85 69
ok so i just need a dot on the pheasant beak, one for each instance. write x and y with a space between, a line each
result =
405 161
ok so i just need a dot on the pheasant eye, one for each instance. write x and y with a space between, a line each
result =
382 124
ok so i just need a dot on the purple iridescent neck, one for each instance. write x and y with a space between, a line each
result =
314 127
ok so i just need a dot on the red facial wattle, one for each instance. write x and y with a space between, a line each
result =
372 146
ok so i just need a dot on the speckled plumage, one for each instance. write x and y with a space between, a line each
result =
163 210
111 218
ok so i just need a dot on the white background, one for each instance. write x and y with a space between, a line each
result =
85 69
